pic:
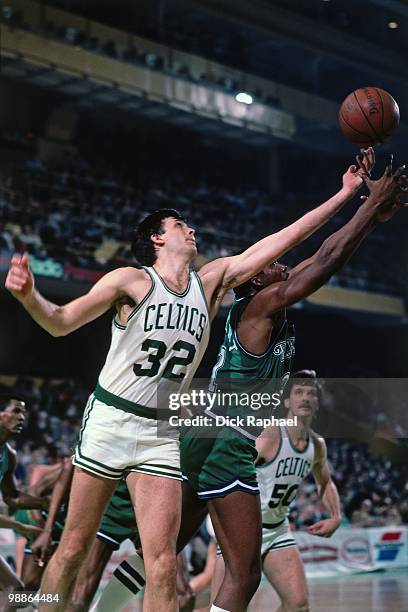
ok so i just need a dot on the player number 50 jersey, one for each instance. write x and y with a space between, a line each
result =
279 479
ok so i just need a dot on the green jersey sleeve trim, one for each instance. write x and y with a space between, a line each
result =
146 297
200 284
264 465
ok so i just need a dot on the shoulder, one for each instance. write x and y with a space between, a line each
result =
320 446
128 273
268 445
12 455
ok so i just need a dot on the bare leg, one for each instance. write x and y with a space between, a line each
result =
88 499
31 573
157 503
236 520
193 512
286 573
89 576
218 577
9 583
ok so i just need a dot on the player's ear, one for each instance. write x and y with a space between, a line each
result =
257 281
286 403
157 239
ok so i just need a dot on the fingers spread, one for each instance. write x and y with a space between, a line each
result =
388 169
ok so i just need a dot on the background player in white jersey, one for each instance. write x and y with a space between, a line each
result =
286 456
159 336
222 474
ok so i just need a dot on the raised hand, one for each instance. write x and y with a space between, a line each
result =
20 280
353 178
385 193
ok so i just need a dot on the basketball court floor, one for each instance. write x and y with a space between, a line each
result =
385 591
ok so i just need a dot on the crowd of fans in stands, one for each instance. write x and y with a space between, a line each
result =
84 212
372 491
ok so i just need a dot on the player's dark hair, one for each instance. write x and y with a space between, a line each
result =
142 246
6 399
306 378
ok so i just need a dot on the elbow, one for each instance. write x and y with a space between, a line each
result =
57 332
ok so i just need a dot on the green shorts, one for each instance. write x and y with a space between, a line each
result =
24 516
119 522
217 466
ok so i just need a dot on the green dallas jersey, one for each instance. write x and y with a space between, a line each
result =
237 371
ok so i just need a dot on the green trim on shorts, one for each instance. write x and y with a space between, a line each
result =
218 466
93 470
116 401
113 471
153 472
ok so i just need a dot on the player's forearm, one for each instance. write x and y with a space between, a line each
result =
254 259
8 523
45 313
339 247
331 500
58 497
27 502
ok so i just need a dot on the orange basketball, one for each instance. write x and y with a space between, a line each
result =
369 116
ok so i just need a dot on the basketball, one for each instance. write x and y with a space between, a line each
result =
369 116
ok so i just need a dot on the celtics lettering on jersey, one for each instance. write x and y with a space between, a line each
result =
279 479
159 349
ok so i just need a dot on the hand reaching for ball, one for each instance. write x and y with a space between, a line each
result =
353 178
386 193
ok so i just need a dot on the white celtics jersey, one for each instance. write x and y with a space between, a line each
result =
158 350
279 479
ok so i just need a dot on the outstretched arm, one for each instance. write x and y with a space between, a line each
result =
42 547
25 530
239 268
61 320
327 491
312 273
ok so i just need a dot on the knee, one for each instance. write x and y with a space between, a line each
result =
71 552
246 577
298 603
253 579
162 568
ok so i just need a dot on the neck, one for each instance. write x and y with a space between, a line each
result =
4 436
174 268
301 430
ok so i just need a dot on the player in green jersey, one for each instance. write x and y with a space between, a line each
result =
220 469
12 416
161 342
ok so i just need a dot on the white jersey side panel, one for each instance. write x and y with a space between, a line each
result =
161 346
279 479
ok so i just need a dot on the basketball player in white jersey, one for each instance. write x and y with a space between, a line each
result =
286 456
159 335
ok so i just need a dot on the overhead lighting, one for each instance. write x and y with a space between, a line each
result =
393 25
244 98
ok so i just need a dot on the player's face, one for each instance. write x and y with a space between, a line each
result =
179 236
303 400
13 416
273 273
